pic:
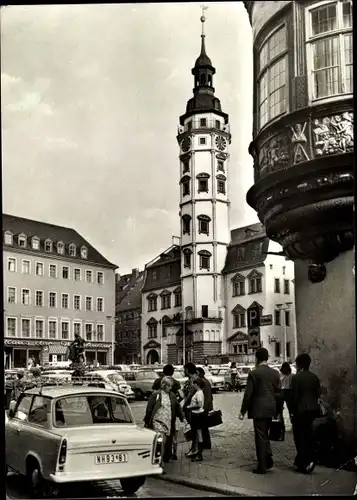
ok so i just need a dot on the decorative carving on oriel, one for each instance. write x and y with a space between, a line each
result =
273 155
299 142
333 134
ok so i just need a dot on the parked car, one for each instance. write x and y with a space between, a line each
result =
216 381
56 436
141 382
243 372
113 380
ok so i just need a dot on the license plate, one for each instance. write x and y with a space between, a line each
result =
111 458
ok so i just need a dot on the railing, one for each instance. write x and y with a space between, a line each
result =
190 316
198 125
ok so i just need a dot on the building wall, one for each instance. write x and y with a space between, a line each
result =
265 10
326 319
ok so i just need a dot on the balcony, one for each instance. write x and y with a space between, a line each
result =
197 125
211 315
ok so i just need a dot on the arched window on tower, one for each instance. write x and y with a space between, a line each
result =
185 181
221 184
186 224
210 80
202 182
205 259
187 252
203 224
203 79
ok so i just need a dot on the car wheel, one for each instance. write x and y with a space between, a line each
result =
227 386
132 484
36 481
139 394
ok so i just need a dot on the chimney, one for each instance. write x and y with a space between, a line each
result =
135 273
117 277
176 240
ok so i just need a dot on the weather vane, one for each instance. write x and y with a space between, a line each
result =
203 18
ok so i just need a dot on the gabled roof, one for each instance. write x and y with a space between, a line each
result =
241 234
164 271
128 292
239 336
43 231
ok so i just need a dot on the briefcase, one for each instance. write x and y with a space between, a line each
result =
214 418
276 430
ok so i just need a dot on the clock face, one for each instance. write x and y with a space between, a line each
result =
221 143
186 144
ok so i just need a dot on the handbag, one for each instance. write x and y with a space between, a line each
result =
276 430
214 418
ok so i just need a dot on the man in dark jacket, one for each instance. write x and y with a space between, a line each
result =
208 406
261 401
306 391
168 371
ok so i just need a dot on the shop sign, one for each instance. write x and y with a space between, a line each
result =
88 345
25 343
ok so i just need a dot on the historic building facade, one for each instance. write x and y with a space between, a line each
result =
128 317
55 284
303 139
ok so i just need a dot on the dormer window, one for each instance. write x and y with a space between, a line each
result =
60 248
22 241
84 252
35 243
48 245
72 250
8 238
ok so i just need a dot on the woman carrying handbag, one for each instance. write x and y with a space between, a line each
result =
197 419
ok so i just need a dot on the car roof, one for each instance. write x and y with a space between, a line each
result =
104 372
59 391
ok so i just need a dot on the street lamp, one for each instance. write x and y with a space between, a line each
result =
285 307
112 318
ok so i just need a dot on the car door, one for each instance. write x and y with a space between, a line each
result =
14 432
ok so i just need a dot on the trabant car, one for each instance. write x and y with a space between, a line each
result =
226 373
216 381
141 382
56 436
113 380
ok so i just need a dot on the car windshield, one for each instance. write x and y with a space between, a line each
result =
115 377
77 411
245 369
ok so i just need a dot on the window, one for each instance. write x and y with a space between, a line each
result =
239 320
100 304
277 317
240 254
288 350
185 188
178 299
186 224
8 238
152 303
205 257
256 250
65 299
186 167
89 331
76 328
166 301
187 257
189 126
22 241
52 299
53 271
283 270
100 278
272 77
77 274
277 285
220 165
84 252
60 248
77 302
218 124
48 246
39 328
39 298
39 410
89 302
203 224
65 272
330 49
11 327
35 244
203 185
11 295
25 297
277 349
221 184
25 327
152 331
23 409
72 250
255 285
65 330
39 269
100 333
202 141
11 265
287 318
52 329
203 122
235 349
89 276
286 286
25 267
154 275
238 288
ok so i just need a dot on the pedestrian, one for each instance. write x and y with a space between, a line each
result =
161 413
19 386
306 392
189 390
234 373
196 407
168 371
261 401
285 381
208 406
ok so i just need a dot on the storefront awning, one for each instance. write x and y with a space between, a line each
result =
57 349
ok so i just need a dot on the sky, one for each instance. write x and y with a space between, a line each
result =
91 97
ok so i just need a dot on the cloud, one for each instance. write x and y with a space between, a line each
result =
173 75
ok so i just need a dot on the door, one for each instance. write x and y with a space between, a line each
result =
14 434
